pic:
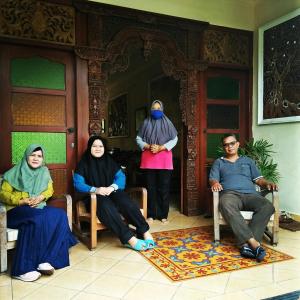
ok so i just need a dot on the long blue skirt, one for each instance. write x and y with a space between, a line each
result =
44 236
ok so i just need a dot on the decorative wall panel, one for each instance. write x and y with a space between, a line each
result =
37 20
224 47
54 144
37 72
40 110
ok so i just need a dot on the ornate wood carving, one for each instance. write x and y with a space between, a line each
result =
177 60
224 47
175 64
90 53
37 20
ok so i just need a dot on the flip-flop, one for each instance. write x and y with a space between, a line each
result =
140 245
150 243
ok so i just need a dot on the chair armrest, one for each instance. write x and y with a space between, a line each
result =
94 217
3 220
216 204
139 194
275 202
69 210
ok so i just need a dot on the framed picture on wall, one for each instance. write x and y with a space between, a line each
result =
279 69
118 117
140 116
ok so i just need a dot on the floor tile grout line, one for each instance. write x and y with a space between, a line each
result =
227 283
175 292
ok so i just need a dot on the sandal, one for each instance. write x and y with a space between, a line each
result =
150 243
247 252
140 245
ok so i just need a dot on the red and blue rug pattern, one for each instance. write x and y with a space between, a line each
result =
189 253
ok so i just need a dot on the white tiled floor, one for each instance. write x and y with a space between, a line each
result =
114 272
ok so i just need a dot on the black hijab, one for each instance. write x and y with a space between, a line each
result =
97 172
158 131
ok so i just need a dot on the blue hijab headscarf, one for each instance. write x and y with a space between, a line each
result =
157 130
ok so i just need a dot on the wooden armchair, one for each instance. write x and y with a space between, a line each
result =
89 236
273 223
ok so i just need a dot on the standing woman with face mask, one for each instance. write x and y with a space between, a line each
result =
156 137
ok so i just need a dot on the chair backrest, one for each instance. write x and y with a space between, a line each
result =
59 178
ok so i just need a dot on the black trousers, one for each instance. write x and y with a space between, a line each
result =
109 211
158 187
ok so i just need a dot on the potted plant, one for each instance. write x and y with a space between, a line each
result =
261 152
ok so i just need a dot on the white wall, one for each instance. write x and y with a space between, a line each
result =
285 136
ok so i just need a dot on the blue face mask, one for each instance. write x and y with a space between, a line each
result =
156 114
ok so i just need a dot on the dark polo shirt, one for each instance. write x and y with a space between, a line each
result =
236 176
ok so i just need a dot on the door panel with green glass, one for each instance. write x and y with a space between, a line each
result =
226 104
38 107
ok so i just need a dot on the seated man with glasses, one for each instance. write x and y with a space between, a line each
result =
234 177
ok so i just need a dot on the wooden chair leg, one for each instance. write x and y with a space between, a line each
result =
216 217
3 250
3 239
93 224
275 230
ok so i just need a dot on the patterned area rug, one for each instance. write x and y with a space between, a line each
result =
188 253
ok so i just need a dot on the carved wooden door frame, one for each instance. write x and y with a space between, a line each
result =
174 64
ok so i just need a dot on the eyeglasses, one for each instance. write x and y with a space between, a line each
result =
231 144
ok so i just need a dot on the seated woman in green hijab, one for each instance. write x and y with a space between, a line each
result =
44 236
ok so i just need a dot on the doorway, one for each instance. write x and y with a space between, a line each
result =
130 93
226 110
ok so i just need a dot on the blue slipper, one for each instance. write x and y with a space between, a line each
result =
150 243
140 245
260 253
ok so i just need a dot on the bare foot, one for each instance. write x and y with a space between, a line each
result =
137 244
150 220
148 236
253 243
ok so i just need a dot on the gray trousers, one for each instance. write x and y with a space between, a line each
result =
231 203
